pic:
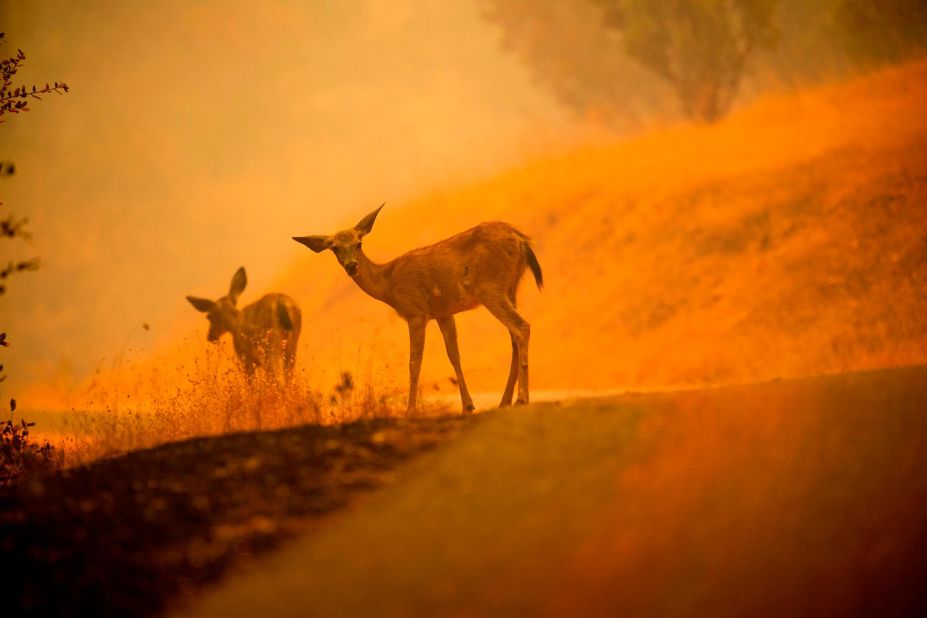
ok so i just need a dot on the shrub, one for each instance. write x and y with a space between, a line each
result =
19 455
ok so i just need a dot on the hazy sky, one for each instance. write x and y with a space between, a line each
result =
200 136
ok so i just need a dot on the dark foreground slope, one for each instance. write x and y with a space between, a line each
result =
128 535
799 498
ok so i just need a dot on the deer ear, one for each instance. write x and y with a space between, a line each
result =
316 243
201 304
366 224
239 281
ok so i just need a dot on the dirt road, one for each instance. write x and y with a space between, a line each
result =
804 497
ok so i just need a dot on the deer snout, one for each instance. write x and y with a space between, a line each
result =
351 268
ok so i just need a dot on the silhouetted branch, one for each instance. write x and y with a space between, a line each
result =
11 227
16 100
16 267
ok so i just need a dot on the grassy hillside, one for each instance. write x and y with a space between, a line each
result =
790 239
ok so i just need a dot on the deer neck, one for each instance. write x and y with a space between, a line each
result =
372 278
236 325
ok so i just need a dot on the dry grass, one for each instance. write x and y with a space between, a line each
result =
210 395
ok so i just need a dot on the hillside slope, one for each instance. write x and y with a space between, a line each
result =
791 498
790 239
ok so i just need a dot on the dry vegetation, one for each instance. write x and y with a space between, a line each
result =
170 478
210 395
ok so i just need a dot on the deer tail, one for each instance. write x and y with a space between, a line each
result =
534 265
283 315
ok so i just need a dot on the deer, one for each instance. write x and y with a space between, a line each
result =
264 333
480 266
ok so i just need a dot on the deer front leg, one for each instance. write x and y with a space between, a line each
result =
416 348
246 364
449 330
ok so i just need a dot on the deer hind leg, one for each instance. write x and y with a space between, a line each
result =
248 366
449 330
513 369
416 348
271 359
289 360
520 330
280 369
509 391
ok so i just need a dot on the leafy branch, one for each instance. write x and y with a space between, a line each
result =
13 100
16 267
11 227
16 100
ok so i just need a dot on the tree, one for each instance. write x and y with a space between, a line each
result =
628 58
874 33
16 100
628 61
18 454
568 49
702 48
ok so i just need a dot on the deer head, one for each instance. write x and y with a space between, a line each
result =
345 244
223 314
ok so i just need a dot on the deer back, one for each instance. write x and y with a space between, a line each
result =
265 325
457 273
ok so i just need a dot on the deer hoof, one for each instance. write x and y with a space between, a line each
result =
521 402
469 408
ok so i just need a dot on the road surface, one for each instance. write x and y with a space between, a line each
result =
800 497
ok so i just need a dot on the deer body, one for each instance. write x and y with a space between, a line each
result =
481 266
264 334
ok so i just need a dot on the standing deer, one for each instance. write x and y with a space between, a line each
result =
264 333
481 266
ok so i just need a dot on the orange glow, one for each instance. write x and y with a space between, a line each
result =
723 491
693 255
744 251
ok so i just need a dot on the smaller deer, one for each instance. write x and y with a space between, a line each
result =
481 266
264 333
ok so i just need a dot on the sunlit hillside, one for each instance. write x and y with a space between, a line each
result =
790 239
787 240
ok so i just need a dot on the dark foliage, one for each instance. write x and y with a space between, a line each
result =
623 60
19 455
701 48
125 536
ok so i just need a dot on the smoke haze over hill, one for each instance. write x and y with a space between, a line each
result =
199 137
